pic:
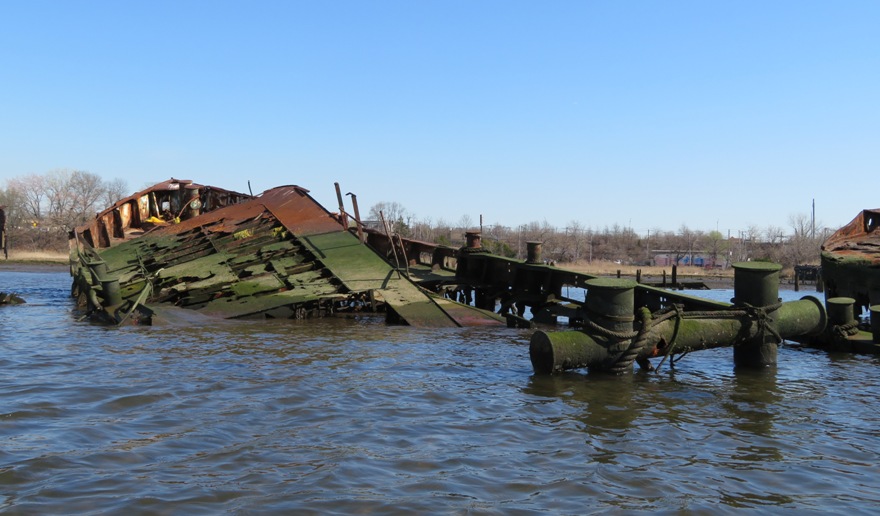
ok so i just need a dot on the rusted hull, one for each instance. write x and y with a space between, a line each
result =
162 204
278 255
851 260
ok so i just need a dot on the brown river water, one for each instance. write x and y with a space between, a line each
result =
349 416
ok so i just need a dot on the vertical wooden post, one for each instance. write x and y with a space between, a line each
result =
343 216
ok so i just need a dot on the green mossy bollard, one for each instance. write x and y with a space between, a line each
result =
610 303
840 310
756 284
875 323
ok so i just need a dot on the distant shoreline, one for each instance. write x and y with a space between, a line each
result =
29 266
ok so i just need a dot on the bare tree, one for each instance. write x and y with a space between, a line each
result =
72 197
685 248
395 215
466 223
803 247
573 241
114 190
717 246
11 201
30 191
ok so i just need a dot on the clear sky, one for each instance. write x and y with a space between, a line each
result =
648 114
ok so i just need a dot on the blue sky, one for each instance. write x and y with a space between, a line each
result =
648 114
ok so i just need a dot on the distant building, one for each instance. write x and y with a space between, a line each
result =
663 258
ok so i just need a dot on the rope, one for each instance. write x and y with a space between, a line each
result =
760 314
678 319
637 344
846 330
639 339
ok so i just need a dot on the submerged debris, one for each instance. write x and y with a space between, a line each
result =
11 299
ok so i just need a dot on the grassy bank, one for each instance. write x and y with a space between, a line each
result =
37 257
34 261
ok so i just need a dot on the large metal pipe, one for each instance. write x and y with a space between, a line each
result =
562 350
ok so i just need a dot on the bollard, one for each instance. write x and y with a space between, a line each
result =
840 310
875 323
98 270
110 292
533 250
756 284
474 239
610 303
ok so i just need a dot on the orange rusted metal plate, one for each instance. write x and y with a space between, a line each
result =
860 238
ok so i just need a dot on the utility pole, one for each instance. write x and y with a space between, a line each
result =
813 222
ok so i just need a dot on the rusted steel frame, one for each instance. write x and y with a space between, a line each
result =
403 252
419 252
357 217
539 285
342 213
390 241
111 223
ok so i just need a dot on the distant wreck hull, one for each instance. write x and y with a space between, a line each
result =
278 255
851 261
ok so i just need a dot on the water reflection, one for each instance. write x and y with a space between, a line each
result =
605 403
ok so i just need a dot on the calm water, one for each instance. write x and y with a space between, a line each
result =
350 416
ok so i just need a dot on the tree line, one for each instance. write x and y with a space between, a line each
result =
41 209
799 244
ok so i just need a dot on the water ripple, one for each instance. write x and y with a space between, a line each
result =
346 416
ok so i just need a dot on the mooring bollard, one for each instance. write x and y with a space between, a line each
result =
875 323
610 303
473 239
840 310
756 284
110 292
98 269
533 250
